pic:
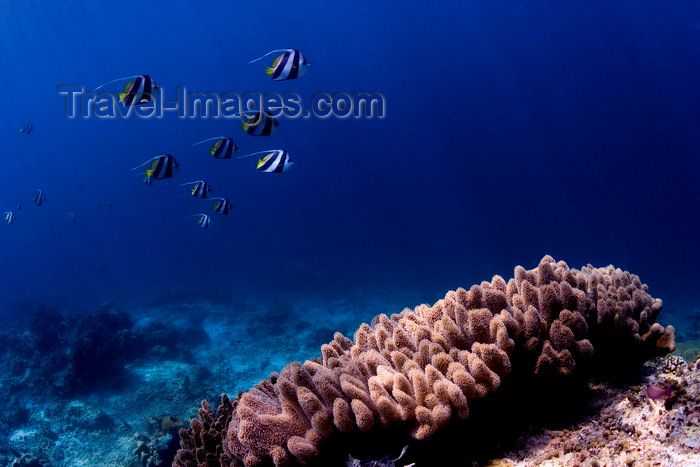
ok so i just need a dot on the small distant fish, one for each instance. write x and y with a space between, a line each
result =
140 90
163 166
260 124
72 216
203 220
26 129
199 189
276 160
19 206
659 392
38 197
224 148
383 462
8 217
290 65
222 206
106 204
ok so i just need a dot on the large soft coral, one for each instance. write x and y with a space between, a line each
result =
426 366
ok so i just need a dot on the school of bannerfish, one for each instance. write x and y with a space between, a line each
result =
141 89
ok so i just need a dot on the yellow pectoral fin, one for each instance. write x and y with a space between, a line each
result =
122 95
260 162
269 71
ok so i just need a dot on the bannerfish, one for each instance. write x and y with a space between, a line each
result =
222 206
163 166
203 220
26 129
8 217
260 124
140 90
38 197
224 148
72 216
276 160
290 65
199 188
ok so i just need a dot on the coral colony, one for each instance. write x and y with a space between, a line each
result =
426 367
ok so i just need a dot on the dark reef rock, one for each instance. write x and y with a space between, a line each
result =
101 345
67 355
48 329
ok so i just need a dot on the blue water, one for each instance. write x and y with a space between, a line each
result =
512 129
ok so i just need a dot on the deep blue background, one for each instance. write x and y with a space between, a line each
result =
514 129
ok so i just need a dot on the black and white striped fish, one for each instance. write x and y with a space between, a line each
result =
222 206
260 124
199 189
8 217
275 160
224 148
38 197
290 65
203 220
163 166
140 90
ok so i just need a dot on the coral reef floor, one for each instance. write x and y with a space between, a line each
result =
64 405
